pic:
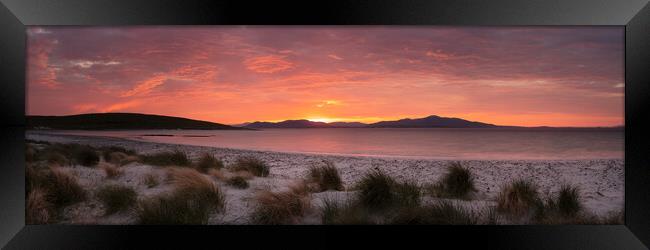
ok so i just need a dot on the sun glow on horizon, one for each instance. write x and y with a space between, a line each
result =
367 120
321 119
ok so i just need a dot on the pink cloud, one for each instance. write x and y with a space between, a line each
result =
335 57
146 86
85 108
237 74
121 106
268 64
38 61
197 73
439 55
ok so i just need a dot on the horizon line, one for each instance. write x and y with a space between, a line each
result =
335 121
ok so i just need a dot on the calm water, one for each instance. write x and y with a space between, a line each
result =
425 143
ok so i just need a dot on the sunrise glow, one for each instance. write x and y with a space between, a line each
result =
508 76
323 119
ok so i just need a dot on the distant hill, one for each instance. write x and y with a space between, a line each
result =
433 121
348 124
109 121
427 122
304 124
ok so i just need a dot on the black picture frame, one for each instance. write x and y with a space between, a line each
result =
15 15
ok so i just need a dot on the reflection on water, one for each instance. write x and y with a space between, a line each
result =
427 143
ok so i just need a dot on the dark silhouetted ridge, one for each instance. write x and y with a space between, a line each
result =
109 121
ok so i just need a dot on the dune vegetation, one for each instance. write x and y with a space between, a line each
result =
458 182
194 198
275 208
173 188
116 198
326 177
207 162
49 190
238 182
253 165
175 158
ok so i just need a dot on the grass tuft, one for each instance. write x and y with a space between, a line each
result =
276 208
245 174
407 193
446 213
568 201
349 212
440 213
86 156
327 177
217 173
116 198
564 208
376 190
237 182
114 157
151 180
195 197
55 158
119 158
72 153
208 161
32 177
176 158
458 182
253 165
38 210
118 155
173 209
518 198
62 188
110 170
56 187
31 153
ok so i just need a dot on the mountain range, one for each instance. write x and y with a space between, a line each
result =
126 121
303 124
426 122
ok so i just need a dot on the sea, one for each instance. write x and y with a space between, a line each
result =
429 143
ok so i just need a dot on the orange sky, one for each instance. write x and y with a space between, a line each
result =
507 76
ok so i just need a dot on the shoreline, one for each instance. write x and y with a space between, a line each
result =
601 181
90 138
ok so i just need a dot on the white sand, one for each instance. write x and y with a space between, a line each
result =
601 182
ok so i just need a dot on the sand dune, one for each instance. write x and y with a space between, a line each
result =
601 182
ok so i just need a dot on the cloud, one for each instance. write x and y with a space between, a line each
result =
197 74
312 80
335 57
121 106
114 107
87 63
85 108
40 70
268 64
439 55
146 86
240 73
328 103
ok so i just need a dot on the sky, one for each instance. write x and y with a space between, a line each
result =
521 76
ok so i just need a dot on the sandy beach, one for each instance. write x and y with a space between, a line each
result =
600 181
